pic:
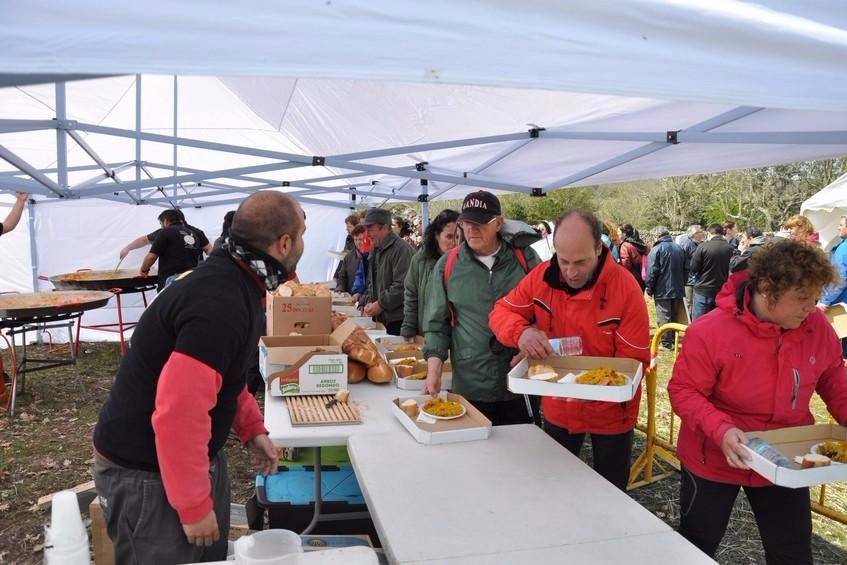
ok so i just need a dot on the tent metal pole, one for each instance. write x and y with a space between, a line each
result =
196 143
766 137
427 174
176 112
490 162
22 165
193 177
75 169
33 252
712 123
424 198
138 131
429 146
61 137
303 199
16 126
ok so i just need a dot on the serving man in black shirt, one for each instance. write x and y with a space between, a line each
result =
160 470
14 215
145 240
177 246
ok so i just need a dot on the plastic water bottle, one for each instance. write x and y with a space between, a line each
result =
571 345
769 452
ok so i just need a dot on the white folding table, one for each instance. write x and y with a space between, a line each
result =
374 404
516 497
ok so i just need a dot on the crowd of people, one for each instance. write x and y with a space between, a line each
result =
484 295
479 290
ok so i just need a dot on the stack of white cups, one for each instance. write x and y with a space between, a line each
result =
65 540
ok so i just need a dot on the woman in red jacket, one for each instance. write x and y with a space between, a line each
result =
753 363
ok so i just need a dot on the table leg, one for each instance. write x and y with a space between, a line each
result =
318 494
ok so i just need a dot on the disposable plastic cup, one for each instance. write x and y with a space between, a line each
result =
268 547
65 541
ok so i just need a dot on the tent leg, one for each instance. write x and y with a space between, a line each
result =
424 199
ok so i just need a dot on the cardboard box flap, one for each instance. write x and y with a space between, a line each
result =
837 314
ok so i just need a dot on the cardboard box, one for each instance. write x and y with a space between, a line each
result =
306 315
303 365
575 364
470 427
104 550
405 383
837 314
798 441
341 299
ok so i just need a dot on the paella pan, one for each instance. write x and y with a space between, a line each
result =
39 304
122 279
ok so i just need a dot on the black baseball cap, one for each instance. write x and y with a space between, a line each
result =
480 207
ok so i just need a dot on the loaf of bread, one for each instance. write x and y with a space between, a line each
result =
360 347
355 371
380 373
292 288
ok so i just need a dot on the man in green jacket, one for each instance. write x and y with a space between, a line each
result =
387 267
486 267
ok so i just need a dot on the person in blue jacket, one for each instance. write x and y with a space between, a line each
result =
835 293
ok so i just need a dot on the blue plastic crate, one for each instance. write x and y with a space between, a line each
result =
296 486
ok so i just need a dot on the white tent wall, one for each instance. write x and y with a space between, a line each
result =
825 208
89 234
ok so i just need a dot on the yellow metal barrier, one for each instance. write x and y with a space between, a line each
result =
658 458
659 452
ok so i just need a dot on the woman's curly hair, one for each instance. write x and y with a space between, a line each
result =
788 264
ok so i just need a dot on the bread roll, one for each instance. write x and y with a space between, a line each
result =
543 373
410 407
815 460
403 371
355 371
342 395
380 373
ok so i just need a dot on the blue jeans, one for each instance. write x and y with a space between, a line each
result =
704 302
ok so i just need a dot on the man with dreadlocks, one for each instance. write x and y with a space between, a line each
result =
159 469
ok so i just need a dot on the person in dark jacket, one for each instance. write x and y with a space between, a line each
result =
751 242
632 251
439 238
224 230
356 259
711 264
387 267
350 223
689 242
666 281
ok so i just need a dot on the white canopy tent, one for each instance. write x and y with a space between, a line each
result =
344 103
825 209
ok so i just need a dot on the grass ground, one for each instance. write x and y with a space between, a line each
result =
47 447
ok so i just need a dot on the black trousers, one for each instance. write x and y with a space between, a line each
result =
783 515
393 328
505 412
612 454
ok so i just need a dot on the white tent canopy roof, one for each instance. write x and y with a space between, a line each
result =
369 98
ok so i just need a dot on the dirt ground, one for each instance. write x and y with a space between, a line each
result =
47 447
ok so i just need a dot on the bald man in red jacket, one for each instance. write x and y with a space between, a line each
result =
581 292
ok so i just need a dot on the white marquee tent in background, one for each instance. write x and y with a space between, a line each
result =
374 101
825 209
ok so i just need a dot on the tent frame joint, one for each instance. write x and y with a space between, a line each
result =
318 161
535 132
672 137
537 192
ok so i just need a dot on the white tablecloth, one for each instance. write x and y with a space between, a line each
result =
517 497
